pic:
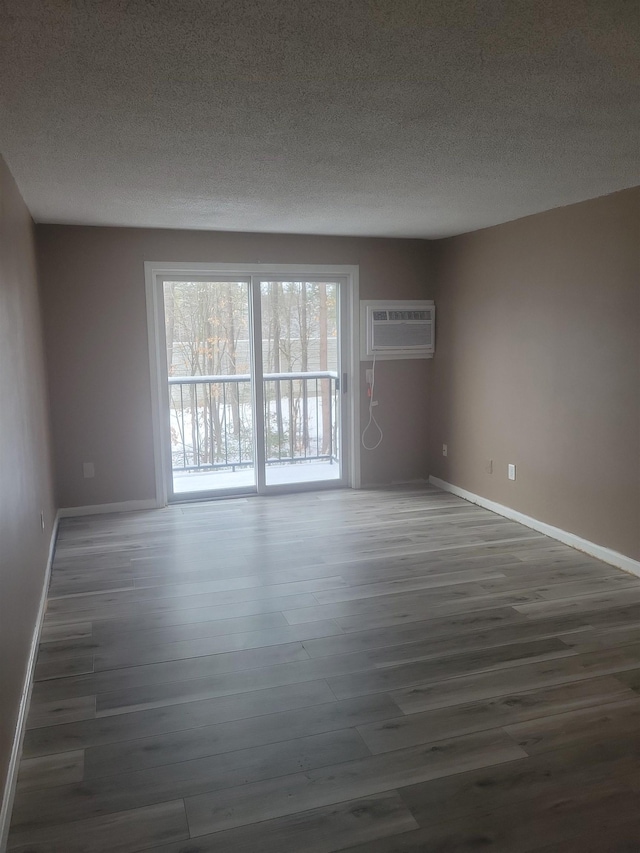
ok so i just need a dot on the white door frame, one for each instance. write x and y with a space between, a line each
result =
155 271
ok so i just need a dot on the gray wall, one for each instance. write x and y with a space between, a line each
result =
538 363
25 471
97 356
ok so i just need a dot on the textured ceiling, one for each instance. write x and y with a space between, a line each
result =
379 117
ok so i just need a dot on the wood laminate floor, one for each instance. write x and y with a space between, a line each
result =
372 671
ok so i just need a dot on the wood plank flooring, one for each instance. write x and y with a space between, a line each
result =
372 671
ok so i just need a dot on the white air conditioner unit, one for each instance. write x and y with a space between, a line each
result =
397 329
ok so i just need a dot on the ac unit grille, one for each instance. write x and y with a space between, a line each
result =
400 335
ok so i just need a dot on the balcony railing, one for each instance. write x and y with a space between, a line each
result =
212 420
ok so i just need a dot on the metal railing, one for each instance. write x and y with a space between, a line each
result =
212 420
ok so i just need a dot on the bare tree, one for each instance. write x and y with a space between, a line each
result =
325 384
208 334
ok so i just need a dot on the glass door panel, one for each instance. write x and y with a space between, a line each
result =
301 366
207 333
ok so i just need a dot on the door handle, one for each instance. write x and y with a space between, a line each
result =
344 383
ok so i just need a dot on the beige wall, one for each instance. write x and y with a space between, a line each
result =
96 340
25 475
537 363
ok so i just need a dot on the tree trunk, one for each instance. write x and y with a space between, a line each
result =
304 346
325 384
275 338
209 439
194 426
217 424
232 388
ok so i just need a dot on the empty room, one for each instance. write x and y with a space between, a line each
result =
319 426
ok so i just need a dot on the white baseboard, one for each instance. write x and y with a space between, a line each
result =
25 699
577 542
98 509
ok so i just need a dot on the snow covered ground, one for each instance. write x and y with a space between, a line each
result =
299 472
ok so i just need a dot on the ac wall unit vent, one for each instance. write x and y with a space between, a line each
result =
397 329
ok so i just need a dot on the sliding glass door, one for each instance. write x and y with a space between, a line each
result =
209 378
301 369
255 391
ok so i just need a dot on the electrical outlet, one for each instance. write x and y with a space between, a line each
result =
511 471
369 374
489 466
444 450
88 470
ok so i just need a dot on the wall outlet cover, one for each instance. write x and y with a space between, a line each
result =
445 449
511 471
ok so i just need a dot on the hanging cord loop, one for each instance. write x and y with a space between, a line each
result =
372 421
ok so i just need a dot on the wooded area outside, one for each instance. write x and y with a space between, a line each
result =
208 335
